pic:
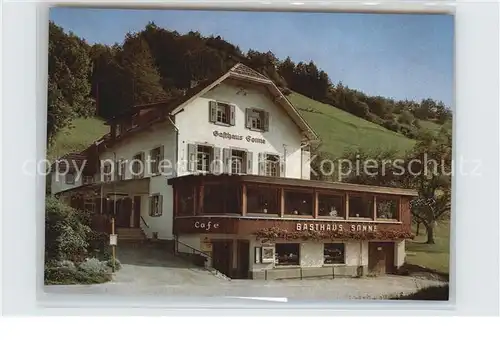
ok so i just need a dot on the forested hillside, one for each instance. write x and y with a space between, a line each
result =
156 63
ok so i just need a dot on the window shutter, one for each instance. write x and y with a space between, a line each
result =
160 200
266 121
143 158
249 163
160 162
216 166
226 158
247 118
262 164
191 157
282 167
231 115
212 112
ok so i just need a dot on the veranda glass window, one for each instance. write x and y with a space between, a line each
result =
360 206
298 203
263 200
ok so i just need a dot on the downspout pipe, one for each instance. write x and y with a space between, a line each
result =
169 117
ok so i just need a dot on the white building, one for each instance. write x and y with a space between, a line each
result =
243 127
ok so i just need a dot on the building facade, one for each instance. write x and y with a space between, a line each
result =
224 171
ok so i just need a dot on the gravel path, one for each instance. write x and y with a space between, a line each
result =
153 273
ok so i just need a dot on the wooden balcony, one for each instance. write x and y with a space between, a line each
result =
248 204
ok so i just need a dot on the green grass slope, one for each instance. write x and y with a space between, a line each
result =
83 132
340 130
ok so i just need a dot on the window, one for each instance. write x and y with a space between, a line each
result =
122 168
156 205
298 203
89 206
70 177
334 253
185 201
272 164
204 158
263 200
221 113
387 208
331 205
257 119
238 158
138 166
156 157
107 172
88 179
287 254
222 198
360 207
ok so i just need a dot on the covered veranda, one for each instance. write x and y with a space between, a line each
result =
118 199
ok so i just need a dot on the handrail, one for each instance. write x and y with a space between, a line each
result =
195 251
144 221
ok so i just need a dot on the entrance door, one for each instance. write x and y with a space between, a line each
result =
137 211
243 251
222 256
381 257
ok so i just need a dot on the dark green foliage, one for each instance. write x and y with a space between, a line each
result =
433 293
66 232
156 64
65 276
69 81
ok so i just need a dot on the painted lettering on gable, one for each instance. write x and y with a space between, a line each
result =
229 136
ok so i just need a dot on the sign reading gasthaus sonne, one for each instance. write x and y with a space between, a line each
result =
248 138
336 227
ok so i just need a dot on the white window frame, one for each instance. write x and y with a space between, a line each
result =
226 119
156 205
270 163
209 155
238 167
155 162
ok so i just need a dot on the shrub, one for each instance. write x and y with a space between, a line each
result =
65 234
98 244
65 264
93 266
435 293
118 264
65 276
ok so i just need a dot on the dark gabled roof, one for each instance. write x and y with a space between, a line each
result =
238 71
247 71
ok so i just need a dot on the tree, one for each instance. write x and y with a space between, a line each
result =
428 168
69 81
141 79
405 117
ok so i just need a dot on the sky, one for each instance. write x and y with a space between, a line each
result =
400 56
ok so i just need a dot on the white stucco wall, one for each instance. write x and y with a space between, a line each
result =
161 135
311 253
58 182
400 253
283 137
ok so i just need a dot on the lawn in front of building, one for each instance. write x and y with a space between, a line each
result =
433 256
